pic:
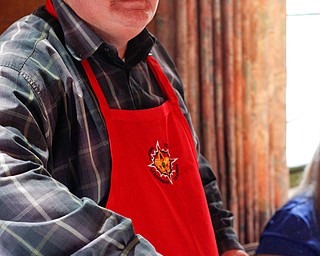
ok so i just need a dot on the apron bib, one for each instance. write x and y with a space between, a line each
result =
155 179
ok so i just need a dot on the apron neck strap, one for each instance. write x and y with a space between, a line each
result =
95 86
50 9
161 78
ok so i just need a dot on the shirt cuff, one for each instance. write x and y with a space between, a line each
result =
227 240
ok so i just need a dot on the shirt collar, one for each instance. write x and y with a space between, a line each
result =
78 32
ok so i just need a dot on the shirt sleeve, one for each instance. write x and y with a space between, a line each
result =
39 215
222 219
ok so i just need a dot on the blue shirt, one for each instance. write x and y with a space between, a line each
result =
293 230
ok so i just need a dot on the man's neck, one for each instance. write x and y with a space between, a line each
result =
118 42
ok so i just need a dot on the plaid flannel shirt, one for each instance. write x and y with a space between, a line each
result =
55 161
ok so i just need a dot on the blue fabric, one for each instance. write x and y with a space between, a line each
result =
293 230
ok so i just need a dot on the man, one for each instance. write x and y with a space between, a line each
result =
95 147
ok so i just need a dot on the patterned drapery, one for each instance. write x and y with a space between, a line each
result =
231 57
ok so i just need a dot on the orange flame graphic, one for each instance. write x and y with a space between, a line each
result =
162 162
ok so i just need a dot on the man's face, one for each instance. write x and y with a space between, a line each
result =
115 16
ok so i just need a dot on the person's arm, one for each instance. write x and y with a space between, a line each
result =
39 215
222 219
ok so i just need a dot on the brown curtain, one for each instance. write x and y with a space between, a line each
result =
231 58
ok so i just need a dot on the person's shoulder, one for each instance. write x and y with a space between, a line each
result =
293 227
295 219
21 40
33 52
167 64
301 208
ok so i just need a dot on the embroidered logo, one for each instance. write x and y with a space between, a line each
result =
162 165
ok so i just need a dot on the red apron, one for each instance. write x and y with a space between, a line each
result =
155 179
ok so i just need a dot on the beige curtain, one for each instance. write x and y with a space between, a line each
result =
231 57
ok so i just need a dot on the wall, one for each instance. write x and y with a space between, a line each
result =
12 10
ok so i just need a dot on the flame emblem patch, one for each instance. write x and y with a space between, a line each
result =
163 164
